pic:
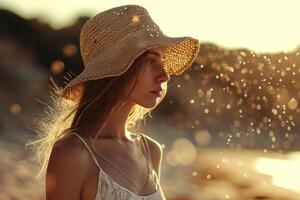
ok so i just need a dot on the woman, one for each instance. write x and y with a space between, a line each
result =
91 147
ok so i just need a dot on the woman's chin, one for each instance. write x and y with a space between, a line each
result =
149 104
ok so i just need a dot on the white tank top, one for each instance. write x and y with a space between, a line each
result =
108 189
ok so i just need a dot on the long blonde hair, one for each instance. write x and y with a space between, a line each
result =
99 99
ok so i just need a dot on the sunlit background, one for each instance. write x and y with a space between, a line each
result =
263 26
229 125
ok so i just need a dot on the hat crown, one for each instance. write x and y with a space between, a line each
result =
106 29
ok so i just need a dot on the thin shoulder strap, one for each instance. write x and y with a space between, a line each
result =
149 154
147 148
87 146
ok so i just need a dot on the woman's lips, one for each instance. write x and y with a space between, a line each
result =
156 93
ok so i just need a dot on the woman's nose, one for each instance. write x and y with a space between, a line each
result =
163 76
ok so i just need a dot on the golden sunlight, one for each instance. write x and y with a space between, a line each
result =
285 173
231 24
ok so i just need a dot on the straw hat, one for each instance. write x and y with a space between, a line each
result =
111 41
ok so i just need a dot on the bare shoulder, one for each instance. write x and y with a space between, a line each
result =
68 147
154 146
67 168
156 152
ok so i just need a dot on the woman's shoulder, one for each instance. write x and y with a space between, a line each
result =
67 168
67 145
70 148
70 151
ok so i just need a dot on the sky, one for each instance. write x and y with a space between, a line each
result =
262 26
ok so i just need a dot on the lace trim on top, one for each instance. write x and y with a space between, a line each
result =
109 189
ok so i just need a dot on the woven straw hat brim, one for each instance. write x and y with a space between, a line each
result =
180 53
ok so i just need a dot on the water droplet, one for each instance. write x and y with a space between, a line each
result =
292 104
208 176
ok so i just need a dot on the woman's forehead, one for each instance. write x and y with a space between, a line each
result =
158 51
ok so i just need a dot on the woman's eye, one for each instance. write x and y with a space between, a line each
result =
152 61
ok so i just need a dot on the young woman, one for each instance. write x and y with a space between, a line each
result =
89 146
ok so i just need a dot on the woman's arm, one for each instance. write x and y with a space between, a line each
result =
65 172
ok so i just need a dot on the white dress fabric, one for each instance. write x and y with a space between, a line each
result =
108 189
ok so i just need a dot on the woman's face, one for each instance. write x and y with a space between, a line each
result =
150 78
